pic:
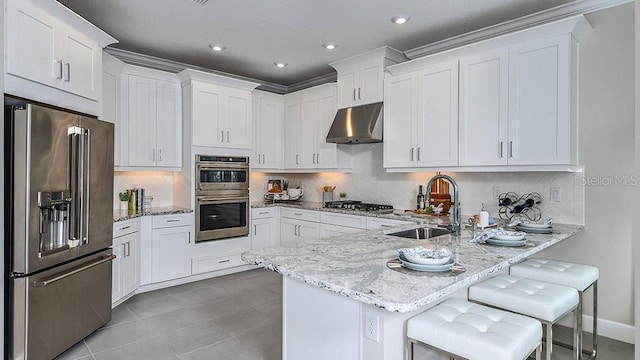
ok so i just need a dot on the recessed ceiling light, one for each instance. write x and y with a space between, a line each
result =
400 19
217 47
330 45
280 64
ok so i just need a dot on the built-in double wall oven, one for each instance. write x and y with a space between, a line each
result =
222 197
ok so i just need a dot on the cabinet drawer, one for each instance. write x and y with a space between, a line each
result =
211 263
164 221
355 221
263 213
308 215
122 228
377 223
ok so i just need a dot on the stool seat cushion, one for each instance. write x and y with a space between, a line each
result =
533 298
476 332
577 276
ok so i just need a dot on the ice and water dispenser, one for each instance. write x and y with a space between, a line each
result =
54 220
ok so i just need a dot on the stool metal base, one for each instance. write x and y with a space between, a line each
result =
593 353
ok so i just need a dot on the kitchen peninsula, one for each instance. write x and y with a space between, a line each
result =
341 301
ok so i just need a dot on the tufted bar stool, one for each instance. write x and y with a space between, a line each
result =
464 330
577 276
540 300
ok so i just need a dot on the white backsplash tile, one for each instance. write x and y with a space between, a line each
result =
369 182
159 184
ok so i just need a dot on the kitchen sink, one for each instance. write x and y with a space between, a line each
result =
422 233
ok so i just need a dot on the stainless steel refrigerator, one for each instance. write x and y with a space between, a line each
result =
58 228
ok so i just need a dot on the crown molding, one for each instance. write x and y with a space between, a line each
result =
320 80
539 18
153 62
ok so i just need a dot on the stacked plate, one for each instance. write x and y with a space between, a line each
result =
535 228
422 259
508 238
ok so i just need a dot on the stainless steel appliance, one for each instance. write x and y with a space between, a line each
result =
58 224
357 125
359 206
222 197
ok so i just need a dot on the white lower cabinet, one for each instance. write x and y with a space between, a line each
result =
329 230
265 225
126 265
170 250
294 232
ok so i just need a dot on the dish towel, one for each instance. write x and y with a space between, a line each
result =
489 233
517 220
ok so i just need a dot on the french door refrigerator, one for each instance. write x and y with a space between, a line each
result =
58 228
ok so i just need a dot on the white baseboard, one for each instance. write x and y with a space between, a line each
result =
607 328
192 278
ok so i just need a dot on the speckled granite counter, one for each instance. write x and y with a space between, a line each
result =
121 215
397 214
354 265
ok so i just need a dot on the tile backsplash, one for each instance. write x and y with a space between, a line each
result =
158 184
369 182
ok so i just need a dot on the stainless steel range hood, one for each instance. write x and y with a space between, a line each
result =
357 125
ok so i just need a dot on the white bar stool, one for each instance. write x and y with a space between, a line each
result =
464 330
540 300
577 276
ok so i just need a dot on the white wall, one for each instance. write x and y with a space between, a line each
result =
607 144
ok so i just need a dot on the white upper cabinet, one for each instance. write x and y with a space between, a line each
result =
421 118
309 114
111 105
217 110
541 114
152 115
502 104
50 48
360 78
268 119
484 86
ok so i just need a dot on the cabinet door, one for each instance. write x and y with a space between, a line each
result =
142 121
82 65
170 253
483 109
207 115
111 103
169 124
31 43
237 119
539 102
256 157
308 231
400 114
371 84
261 236
131 263
289 232
117 265
292 156
437 124
271 118
326 154
347 89
308 135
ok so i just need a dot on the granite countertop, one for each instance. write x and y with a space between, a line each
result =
121 215
354 265
397 214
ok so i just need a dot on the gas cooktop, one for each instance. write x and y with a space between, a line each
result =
358 206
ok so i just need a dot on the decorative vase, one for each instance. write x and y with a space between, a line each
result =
124 205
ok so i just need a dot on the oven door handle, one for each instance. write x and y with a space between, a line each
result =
223 167
221 200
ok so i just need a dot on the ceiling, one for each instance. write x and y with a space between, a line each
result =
257 33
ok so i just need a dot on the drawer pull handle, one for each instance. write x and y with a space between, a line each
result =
173 220
263 212
125 227
224 261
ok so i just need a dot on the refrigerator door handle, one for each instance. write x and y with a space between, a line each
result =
41 283
74 183
85 173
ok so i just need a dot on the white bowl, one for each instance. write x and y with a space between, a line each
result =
423 256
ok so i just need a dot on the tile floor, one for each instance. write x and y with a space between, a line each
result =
233 317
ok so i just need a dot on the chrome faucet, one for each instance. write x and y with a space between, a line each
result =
456 200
